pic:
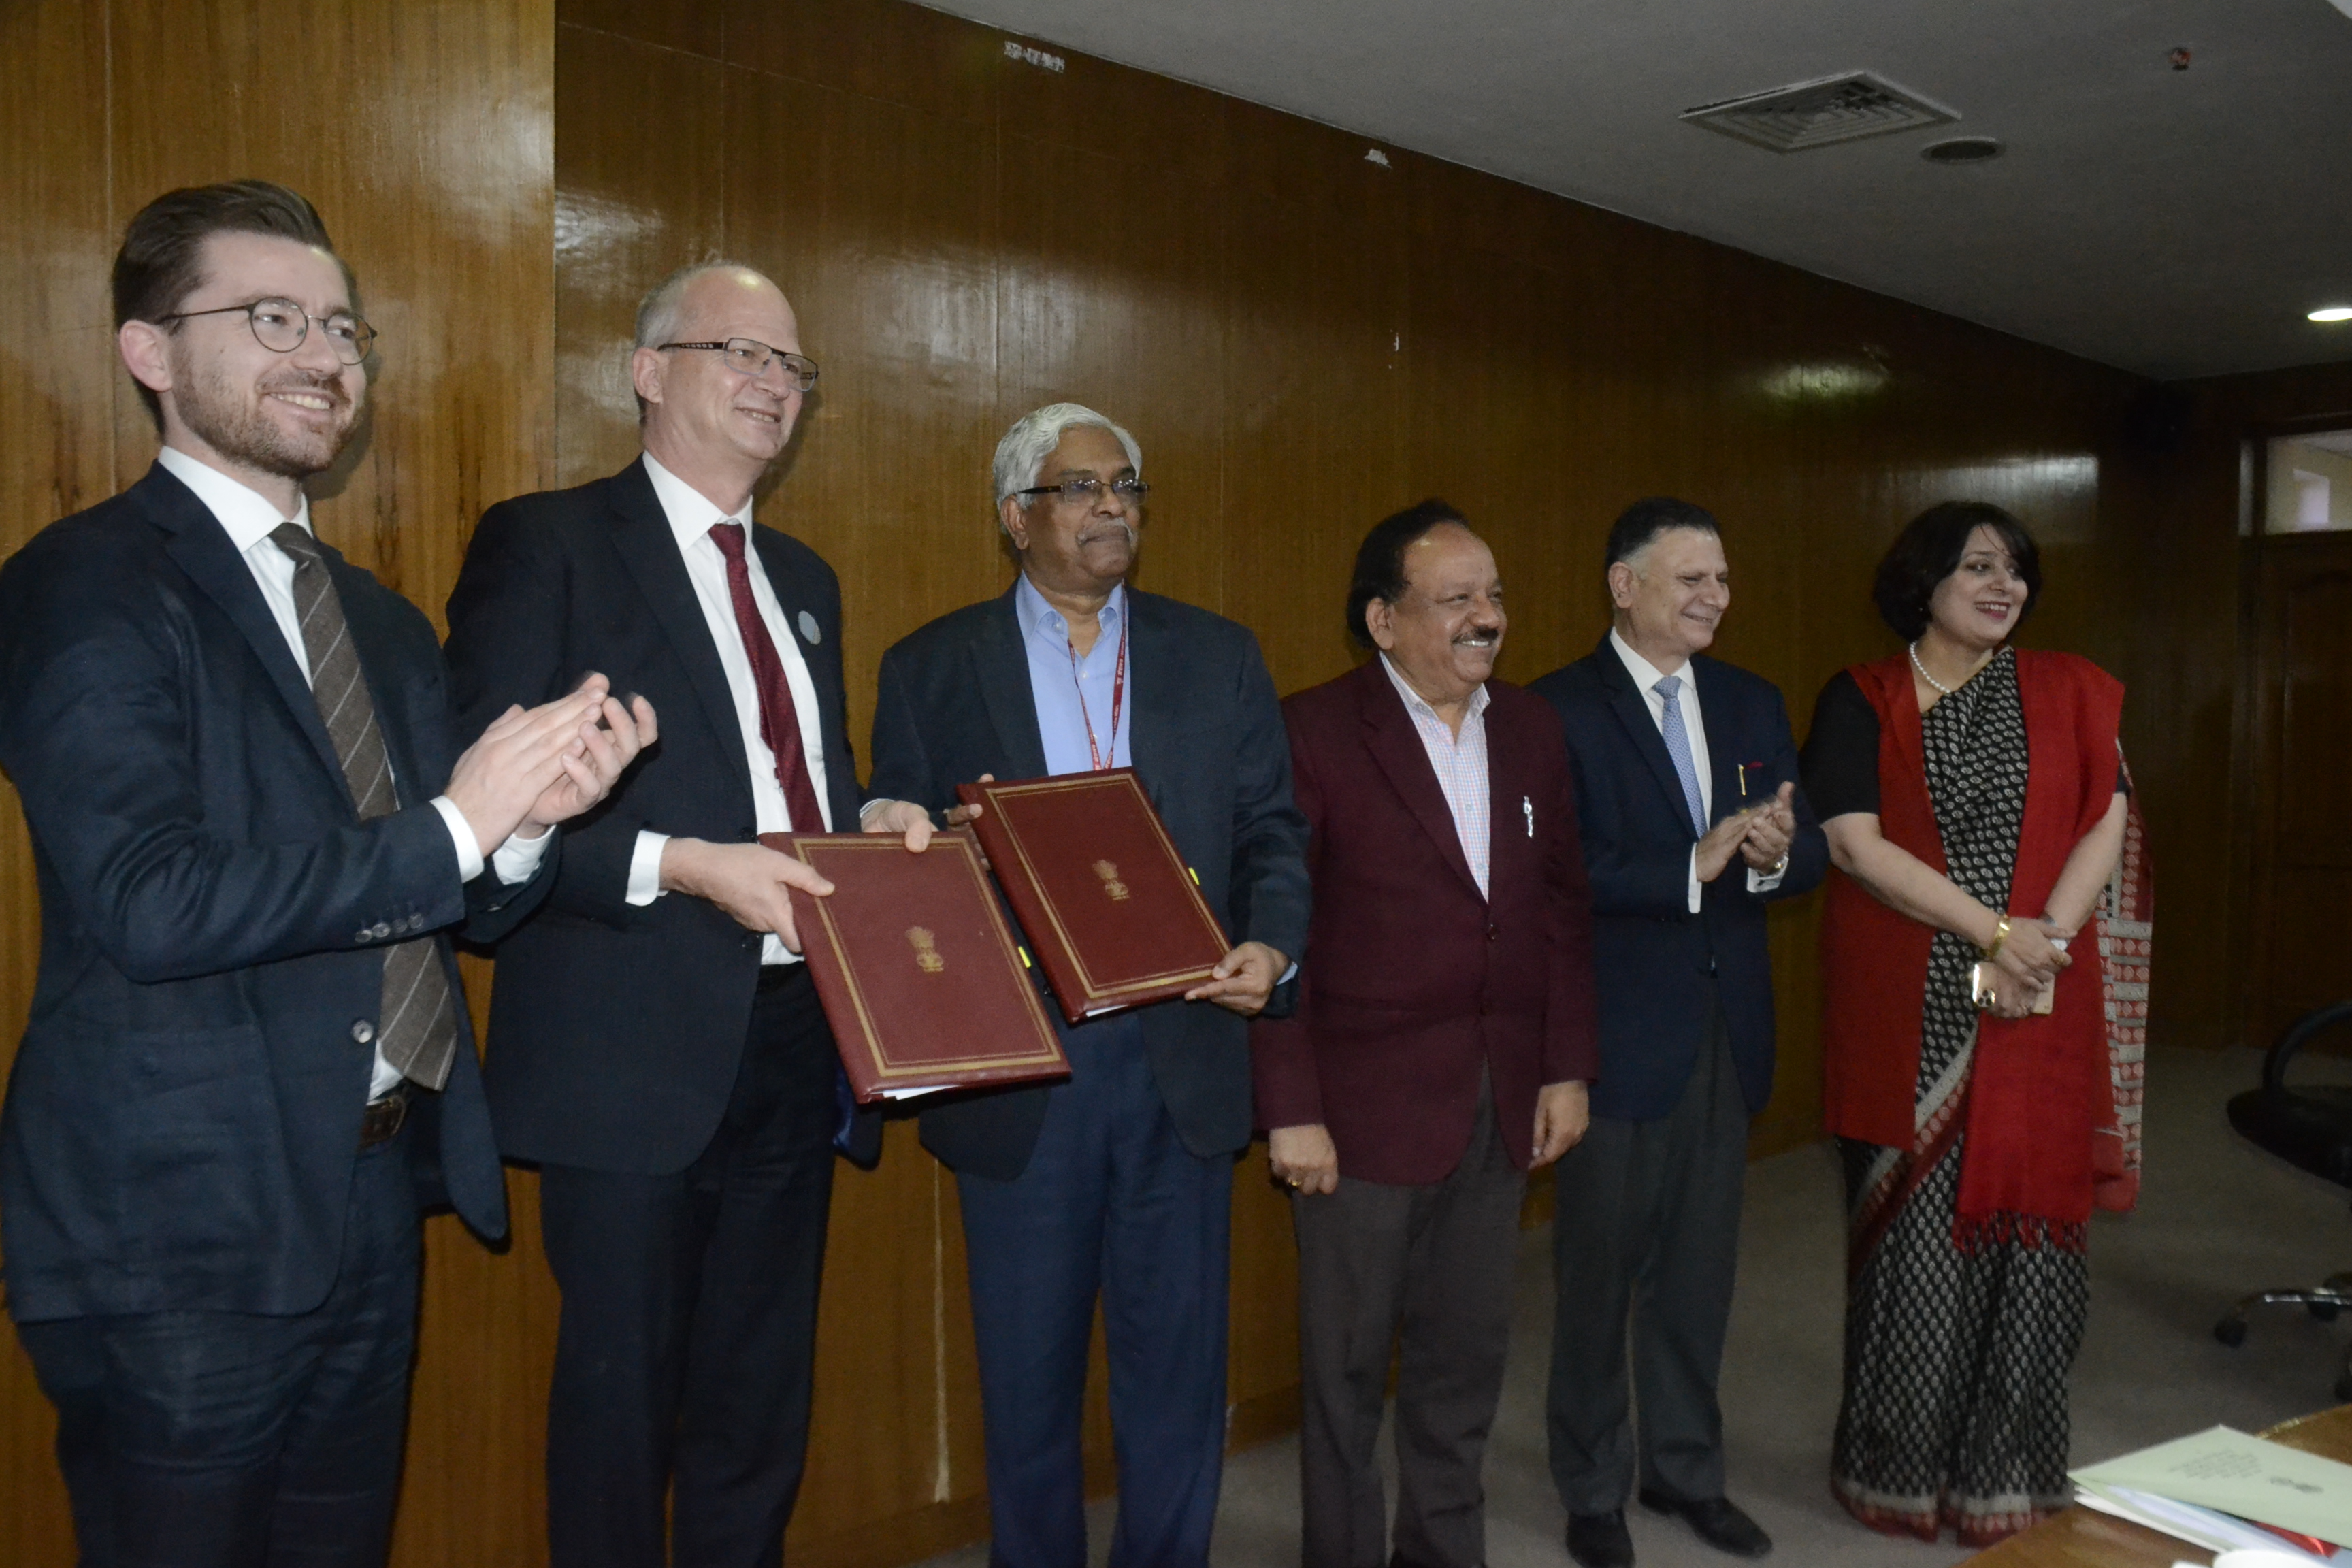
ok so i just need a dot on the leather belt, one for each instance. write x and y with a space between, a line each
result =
380 1124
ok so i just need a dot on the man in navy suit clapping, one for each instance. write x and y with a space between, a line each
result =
1693 822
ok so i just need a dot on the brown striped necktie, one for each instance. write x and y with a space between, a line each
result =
418 1031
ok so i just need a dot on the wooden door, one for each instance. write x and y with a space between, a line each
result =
2301 952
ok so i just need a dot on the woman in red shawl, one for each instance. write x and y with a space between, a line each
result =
1975 806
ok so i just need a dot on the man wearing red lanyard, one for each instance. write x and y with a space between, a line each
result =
1116 1185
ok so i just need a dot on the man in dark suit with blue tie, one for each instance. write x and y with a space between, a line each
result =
248 1064
1693 823
655 1045
1117 1183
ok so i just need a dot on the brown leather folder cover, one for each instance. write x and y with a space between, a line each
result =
1110 908
919 975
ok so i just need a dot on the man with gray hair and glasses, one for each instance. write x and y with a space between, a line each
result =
655 1044
1116 1185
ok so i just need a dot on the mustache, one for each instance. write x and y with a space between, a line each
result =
1089 534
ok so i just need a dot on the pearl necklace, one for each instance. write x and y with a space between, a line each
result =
1923 671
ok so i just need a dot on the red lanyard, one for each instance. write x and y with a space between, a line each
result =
1117 696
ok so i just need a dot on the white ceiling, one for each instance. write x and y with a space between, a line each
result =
2172 223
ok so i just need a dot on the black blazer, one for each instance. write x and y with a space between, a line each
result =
615 1030
185 1109
1648 949
1209 746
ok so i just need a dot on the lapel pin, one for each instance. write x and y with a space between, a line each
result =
1528 806
809 633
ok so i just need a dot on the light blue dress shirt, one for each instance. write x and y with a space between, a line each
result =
1061 720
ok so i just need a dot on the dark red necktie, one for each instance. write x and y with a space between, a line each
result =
780 720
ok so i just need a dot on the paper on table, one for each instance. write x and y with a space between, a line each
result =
2236 1473
2205 1527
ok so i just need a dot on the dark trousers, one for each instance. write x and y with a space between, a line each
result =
1647 1226
1112 1206
1426 1269
198 1440
684 1356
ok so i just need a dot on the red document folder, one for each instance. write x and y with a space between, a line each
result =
919 975
1110 908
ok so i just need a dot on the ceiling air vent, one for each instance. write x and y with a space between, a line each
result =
1842 107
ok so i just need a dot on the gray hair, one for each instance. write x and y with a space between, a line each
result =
1023 452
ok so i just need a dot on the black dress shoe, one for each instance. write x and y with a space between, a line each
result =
1600 1540
1717 1521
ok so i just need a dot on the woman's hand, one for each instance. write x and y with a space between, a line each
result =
2029 955
2013 998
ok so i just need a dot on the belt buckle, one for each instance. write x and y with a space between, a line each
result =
381 1123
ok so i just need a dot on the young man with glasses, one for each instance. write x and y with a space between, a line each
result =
1115 1185
655 1045
248 1063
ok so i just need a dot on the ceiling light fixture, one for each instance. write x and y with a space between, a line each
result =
1962 150
2332 313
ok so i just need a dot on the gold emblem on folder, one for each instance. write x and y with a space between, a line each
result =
927 951
1109 872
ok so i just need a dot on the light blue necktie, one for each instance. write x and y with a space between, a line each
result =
1679 748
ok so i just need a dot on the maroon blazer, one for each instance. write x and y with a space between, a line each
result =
1411 981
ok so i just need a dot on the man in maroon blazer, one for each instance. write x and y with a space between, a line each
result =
1443 1033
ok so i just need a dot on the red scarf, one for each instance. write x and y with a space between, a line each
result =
2039 1087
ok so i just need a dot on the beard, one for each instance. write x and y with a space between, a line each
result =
228 418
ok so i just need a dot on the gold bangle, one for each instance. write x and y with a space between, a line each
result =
2000 935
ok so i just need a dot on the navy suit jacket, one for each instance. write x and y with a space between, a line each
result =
1209 746
615 1028
1649 951
185 1110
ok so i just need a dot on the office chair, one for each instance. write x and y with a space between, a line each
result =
2310 1128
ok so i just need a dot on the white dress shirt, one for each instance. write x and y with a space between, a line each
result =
1646 677
1460 763
249 518
691 518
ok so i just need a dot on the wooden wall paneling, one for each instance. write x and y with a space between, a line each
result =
1318 379
1102 301
637 194
58 380
1495 427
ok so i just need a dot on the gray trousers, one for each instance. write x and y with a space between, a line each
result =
1647 1229
1425 1271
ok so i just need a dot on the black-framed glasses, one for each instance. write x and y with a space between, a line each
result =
1086 490
281 325
750 357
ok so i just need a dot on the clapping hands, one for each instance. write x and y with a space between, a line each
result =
1760 836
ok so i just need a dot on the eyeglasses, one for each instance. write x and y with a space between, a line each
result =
750 357
1086 491
281 325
